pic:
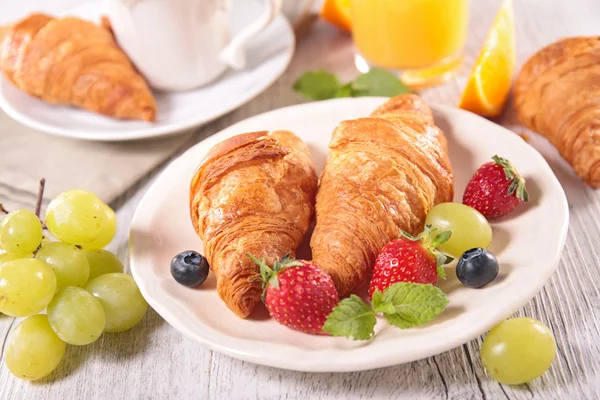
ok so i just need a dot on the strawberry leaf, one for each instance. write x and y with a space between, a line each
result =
441 261
414 304
440 238
352 318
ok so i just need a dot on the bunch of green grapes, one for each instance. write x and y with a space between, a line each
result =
81 286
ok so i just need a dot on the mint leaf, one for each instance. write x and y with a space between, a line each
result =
351 318
318 85
379 305
378 82
413 304
344 91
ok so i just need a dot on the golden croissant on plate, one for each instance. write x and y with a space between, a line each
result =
74 62
557 94
253 194
383 175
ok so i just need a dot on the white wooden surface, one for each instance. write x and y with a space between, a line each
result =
153 361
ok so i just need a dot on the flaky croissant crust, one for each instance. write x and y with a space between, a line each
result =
557 94
383 175
253 194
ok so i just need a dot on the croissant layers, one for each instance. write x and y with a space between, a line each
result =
253 194
557 94
74 62
383 175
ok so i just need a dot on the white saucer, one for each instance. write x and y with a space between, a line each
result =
269 54
528 245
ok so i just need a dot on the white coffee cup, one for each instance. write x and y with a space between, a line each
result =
182 44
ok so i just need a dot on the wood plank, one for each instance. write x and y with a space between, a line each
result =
153 361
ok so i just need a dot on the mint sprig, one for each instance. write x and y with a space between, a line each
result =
353 318
403 304
322 85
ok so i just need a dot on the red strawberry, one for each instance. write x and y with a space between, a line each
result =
496 189
298 294
410 259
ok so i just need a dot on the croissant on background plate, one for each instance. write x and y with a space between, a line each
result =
74 62
557 94
383 175
253 194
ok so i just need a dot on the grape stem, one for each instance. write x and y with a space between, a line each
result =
3 210
40 197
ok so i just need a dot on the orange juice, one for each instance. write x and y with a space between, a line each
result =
409 34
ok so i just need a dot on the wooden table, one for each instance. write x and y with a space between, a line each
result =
154 361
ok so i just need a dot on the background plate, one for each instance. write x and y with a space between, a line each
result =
528 245
268 55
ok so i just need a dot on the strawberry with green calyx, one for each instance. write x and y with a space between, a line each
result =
496 189
297 293
410 259
403 304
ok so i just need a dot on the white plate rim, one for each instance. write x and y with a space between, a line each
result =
299 364
157 131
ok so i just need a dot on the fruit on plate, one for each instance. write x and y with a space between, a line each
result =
298 294
410 259
496 189
76 316
189 268
469 227
20 232
518 350
102 262
27 285
68 262
33 350
124 306
477 267
337 12
490 81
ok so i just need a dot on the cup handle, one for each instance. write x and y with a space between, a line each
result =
233 54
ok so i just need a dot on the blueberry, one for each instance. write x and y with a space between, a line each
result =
477 267
189 268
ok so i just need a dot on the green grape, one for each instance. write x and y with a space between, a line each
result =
45 240
33 350
76 316
102 262
76 217
69 263
108 231
518 350
20 232
26 286
123 303
5 257
469 228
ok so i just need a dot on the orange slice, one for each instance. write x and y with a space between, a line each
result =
490 81
337 12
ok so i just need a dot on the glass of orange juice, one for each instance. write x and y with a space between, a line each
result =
421 39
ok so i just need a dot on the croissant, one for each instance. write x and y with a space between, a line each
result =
557 94
75 62
253 194
383 174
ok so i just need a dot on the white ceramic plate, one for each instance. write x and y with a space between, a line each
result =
528 245
269 54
